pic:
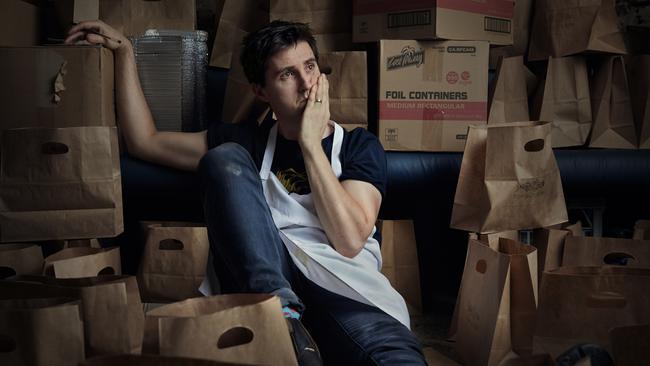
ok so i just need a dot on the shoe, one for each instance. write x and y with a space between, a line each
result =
306 350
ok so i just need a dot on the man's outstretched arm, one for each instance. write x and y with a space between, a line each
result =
176 149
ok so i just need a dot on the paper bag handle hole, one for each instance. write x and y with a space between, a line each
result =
6 272
617 259
606 299
481 266
7 344
106 271
170 244
534 145
54 148
236 336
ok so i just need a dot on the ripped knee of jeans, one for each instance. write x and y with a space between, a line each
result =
233 168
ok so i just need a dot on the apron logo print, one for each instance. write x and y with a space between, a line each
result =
301 256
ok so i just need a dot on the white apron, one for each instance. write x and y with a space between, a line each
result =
357 278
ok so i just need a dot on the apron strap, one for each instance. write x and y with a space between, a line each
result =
269 152
336 149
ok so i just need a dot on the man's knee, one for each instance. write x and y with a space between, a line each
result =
226 159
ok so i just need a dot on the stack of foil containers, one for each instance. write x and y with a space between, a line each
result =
172 66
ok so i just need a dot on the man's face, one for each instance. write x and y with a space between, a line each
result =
289 75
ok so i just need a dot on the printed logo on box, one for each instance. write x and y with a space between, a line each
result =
409 56
452 77
461 49
363 27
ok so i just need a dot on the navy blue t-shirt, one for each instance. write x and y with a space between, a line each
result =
362 156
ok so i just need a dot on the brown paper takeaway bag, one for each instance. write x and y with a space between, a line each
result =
329 20
498 299
134 17
173 262
613 125
550 245
509 180
581 305
83 262
641 230
112 311
20 259
534 360
521 21
235 19
491 240
248 328
630 345
348 79
55 86
240 103
41 332
638 69
153 360
399 253
562 28
509 91
563 98
60 183
590 251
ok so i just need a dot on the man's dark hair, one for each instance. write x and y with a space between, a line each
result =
258 46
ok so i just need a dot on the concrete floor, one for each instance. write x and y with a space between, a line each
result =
432 329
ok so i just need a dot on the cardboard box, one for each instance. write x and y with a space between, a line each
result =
521 20
400 264
56 86
134 17
19 23
70 12
330 21
430 92
60 15
487 20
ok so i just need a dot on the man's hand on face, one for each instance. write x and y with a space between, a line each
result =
315 118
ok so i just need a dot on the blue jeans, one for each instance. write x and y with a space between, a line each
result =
249 256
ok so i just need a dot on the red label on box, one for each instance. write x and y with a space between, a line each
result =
410 110
497 8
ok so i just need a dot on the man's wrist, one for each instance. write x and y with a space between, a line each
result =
125 50
310 149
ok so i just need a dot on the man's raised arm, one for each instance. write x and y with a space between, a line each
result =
180 150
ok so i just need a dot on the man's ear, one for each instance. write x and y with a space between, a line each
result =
260 93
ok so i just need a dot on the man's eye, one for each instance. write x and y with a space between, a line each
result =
311 67
287 74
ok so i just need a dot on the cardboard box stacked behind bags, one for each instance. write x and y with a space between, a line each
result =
60 186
